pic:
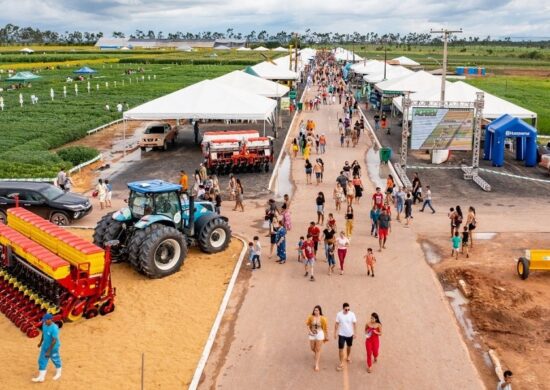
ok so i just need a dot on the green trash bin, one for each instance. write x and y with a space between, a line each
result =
300 106
385 155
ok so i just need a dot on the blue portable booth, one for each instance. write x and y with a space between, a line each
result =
508 126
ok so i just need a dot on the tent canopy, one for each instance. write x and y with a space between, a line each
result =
261 48
307 54
244 49
207 99
85 70
222 47
342 54
26 50
253 84
405 61
392 72
284 62
460 91
280 48
368 66
267 70
23 77
184 48
412 82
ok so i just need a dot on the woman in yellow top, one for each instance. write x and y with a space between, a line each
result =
307 151
318 333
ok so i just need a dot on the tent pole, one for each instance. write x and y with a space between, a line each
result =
264 127
124 139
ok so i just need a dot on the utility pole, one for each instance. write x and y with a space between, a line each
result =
385 57
446 34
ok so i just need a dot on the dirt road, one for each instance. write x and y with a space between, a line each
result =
422 346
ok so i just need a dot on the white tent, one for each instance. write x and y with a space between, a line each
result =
184 48
368 66
222 47
342 54
412 82
125 48
261 48
244 49
280 48
405 61
253 84
462 92
26 50
392 72
307 54
267 70
284 62
207 99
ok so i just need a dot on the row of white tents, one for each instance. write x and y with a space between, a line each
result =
259 48
424 86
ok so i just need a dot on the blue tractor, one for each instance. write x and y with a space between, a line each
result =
158 225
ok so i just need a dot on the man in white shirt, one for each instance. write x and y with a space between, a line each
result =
345 329
428 200
506 383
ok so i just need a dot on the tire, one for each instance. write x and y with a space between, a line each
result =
115 232
523 268
135 242
3 218
214 236
59 219
101 228
162 253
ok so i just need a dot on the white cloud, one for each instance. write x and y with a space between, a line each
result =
476 17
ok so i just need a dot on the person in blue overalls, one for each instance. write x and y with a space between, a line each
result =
49 349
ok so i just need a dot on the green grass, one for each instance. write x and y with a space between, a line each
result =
28 133
532 93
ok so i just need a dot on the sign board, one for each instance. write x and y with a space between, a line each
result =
292 94
285 103
442 128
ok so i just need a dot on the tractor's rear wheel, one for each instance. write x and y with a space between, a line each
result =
214 236
136 241
115 231
523 268
101 228
162 253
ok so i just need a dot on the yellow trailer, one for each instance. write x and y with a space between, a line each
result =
534 260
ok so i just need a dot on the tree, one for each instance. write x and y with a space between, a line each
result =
118 34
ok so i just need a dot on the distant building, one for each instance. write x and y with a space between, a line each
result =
134 43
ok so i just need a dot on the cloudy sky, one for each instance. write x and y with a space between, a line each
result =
498 18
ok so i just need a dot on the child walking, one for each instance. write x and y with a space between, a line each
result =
330 258
257 253
370 260
465 241
299 247
456 241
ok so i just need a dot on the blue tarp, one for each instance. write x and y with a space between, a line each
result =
85 70
508 126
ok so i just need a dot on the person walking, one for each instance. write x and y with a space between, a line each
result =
203 173
294 148
471 223
184 181
330 258
232 187
256 253
101 191
308 252
349 221
342 179
322 143
318 170
408 208
506 382
465 241
108 193
455 241
342 244
317 333
378 198
339 196
427 200
315 233
280 239
374 215
370 260
345 329
416 189
49 349
457 221
320 203
239 196
399 202
350 192
286 217
373 331
309 169
384 228
358 185
61 179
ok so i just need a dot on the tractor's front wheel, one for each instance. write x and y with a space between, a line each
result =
523 268
214 236
162 253
101 228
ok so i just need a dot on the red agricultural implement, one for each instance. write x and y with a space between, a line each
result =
236 151
45 269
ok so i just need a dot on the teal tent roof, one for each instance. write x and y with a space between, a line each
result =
249 70
23 76
85 70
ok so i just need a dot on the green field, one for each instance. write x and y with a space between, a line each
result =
28 133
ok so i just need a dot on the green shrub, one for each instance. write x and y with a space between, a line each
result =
77 155
532 55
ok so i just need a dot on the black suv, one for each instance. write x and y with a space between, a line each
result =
45 200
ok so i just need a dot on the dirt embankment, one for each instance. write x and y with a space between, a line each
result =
509 315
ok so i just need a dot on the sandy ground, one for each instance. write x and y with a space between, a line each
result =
167 320
422 346
509 315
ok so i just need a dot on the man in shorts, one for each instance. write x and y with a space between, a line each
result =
378 198
314 232
308 252
384 226
345 329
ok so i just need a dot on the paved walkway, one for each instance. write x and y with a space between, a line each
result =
421 347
